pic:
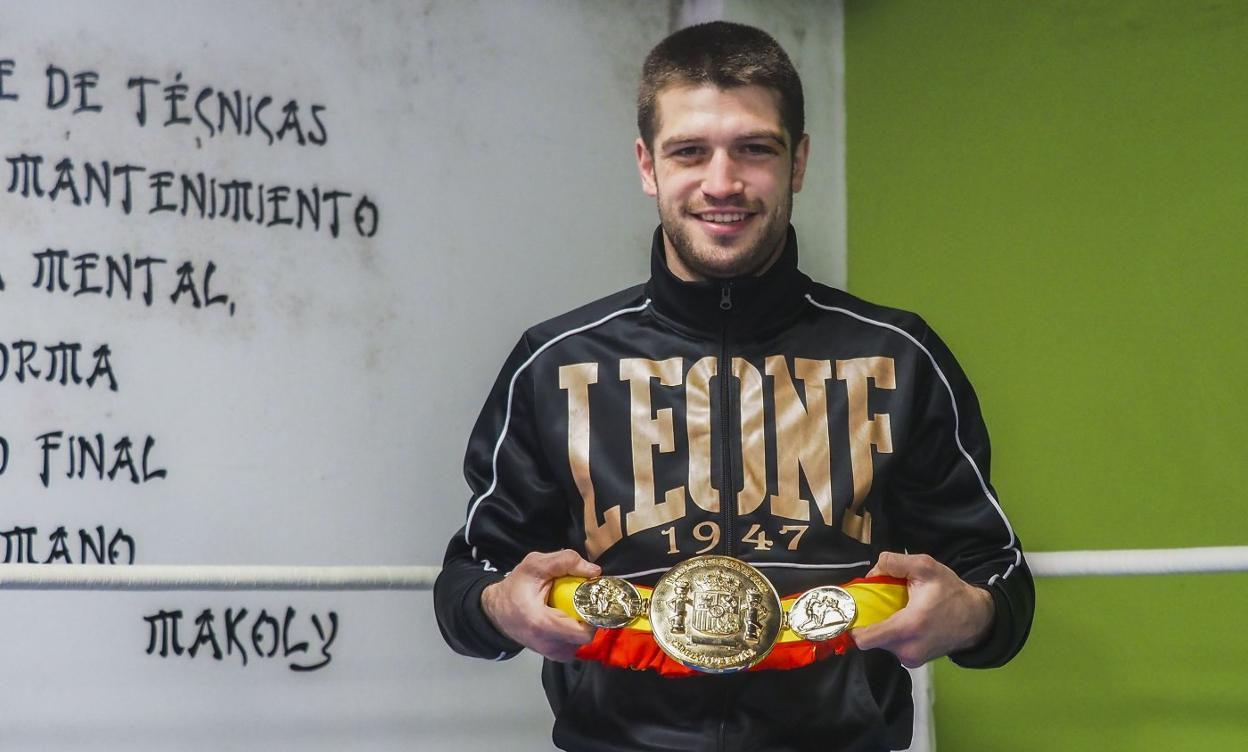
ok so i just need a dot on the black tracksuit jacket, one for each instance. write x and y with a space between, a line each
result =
843 429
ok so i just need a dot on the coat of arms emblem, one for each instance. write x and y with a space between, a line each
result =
714 608
715 614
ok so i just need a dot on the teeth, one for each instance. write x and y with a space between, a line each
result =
724 218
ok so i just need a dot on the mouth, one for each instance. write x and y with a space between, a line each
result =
723 221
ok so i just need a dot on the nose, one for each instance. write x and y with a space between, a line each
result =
721 179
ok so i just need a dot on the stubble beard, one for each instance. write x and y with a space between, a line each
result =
712 260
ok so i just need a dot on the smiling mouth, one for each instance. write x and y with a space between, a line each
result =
723 218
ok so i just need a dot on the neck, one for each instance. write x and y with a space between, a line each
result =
759 301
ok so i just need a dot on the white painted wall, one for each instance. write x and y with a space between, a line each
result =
324 422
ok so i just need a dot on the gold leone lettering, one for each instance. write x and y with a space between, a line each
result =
575 379
803 446
651 429
802 438
864 433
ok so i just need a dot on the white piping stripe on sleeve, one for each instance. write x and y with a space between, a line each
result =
511 386
1018 559
952 400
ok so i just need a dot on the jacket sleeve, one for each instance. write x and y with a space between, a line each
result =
514 508
948 509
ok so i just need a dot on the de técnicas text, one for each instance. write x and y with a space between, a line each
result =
209 113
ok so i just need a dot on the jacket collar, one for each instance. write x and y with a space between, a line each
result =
757 303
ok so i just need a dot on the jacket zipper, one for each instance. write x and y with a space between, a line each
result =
725 496
725 412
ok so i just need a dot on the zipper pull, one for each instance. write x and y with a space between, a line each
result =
725 297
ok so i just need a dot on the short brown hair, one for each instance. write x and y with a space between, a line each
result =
726 55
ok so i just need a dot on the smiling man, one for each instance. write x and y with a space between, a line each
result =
729 505
724 171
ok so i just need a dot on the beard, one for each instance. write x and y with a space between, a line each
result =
748 253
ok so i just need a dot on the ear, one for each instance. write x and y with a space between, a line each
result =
645 165
800 155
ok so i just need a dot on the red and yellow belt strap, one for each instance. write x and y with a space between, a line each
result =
634 646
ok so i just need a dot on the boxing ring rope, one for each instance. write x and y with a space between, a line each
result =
192 577
148 577
1209 560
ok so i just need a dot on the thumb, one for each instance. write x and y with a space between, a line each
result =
569 562
889 565
545 567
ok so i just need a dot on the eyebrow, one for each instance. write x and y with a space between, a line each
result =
768 135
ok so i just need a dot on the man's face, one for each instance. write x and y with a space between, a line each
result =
724 179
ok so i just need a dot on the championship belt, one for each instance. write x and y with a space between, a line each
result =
716 614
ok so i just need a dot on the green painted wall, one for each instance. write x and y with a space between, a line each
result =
1061 188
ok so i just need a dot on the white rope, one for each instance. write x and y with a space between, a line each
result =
1139 561
171 577
183 577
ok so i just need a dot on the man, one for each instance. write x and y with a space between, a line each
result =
731 406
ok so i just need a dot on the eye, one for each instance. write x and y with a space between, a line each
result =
686 152
759 149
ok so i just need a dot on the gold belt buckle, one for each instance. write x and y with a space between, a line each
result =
715 614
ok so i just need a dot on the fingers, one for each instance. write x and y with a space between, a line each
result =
899 635
902 633
549 566
868 638
571 631
883 634
560 636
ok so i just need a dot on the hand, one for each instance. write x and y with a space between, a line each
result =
944 614
517 605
